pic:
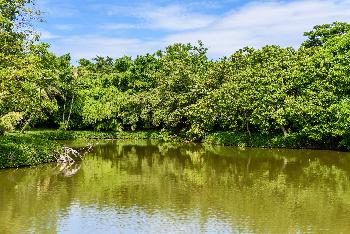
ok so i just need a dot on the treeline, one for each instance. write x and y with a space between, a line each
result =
300 92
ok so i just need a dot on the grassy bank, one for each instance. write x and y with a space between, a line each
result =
75 135
40 146
258 140
18 150
293 141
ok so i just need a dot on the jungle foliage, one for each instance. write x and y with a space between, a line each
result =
293 93
18 150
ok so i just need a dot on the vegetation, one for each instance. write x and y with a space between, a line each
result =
301 94
42 146
298 96
26 150
76 135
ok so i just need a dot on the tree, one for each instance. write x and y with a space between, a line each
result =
322 33
16 21
29 72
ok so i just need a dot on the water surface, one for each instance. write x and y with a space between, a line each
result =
152 187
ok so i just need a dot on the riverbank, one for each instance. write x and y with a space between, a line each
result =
75 135
292 141
17 150
41 146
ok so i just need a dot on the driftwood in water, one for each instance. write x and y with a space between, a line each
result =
66 162
69 154
69 170
66 157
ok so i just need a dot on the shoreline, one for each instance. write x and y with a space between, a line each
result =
40 146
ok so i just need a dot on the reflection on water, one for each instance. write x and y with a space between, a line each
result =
69 169
145 187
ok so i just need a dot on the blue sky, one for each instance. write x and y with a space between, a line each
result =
128 27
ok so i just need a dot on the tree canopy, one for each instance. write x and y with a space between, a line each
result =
300 92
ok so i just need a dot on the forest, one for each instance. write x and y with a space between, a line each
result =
299 94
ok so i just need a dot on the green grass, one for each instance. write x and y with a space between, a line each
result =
296 141
26 150
40 146
75 135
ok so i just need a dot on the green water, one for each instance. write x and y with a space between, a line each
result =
144 187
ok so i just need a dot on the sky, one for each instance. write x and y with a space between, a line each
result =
89 28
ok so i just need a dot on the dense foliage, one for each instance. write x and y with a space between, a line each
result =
27 150
302 94
31 77
293 93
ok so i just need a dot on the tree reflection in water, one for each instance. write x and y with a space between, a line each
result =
254 190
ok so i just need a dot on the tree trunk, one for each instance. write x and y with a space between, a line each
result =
26 124
64 110
247 123
285 133
248 130
70 112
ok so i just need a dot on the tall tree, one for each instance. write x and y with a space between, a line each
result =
322 33
28 71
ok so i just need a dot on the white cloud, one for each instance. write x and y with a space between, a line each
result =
256 24
170 17
46 35
119 26
174 18
65 27
262 23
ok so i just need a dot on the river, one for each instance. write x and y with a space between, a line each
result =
155 187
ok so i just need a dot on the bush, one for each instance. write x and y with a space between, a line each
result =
26 150
10 121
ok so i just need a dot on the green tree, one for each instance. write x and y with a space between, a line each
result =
322 33
29 72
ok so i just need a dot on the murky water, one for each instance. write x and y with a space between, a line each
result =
144 187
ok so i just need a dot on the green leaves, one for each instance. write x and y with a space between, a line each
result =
272 90
322 33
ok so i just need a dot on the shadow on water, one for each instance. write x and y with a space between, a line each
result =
143 186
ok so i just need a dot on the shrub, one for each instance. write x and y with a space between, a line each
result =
10 121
